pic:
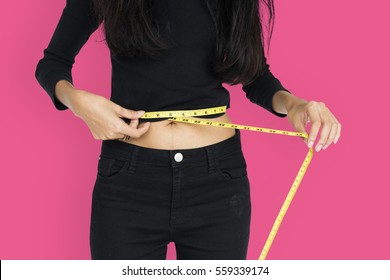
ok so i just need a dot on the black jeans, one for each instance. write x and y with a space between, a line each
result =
144 198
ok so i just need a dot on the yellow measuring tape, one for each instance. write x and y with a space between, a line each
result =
181 116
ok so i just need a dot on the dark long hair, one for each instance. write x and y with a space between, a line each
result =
130 30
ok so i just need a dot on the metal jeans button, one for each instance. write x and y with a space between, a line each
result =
178 157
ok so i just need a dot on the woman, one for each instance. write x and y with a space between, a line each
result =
160 181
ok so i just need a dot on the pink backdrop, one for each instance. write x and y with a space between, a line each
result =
331 51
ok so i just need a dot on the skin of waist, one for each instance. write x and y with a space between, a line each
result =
170 135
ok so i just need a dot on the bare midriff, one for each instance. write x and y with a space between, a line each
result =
170 135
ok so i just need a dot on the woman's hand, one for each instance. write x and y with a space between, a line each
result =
103 117
316 113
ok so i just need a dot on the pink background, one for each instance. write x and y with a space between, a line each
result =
335 52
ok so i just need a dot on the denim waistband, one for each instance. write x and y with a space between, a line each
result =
128 151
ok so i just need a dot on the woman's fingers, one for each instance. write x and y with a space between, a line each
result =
334 132
105 120
127 113
338 131
132 129
134 123
315 119
325 130
300 127
321 117
134 132
332 135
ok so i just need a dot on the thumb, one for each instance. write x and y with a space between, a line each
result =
300 127
129 114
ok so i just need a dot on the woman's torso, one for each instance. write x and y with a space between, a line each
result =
169 135
180 80
182 77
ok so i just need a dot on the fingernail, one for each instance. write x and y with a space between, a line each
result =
318 148
311 144
335 141
326 146
140 112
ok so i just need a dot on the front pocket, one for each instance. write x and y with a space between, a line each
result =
109 167
232 167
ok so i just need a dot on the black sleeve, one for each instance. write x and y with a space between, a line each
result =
263 88
74 28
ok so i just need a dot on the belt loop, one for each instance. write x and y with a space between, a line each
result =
210 160
133 160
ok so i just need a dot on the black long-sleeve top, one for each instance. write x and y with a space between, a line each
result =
181 80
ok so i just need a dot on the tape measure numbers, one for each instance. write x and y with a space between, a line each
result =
181 116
